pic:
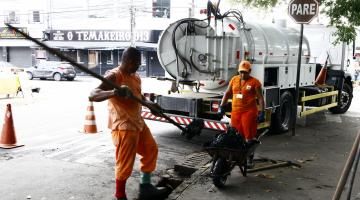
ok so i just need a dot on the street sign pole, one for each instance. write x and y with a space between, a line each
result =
302 12
297 79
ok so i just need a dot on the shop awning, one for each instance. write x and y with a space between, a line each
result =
97 45
16 43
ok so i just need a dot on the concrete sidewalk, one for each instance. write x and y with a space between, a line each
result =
321 148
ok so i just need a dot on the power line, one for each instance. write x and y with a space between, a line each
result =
69 11
141 8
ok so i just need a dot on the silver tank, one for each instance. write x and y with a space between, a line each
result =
211 54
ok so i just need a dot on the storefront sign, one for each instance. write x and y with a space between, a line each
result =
102 35
7 33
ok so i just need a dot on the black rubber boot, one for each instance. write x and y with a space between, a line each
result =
150 192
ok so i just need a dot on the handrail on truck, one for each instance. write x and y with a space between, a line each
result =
333 94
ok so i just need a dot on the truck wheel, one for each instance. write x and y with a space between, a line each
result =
282 120
220 167
344 101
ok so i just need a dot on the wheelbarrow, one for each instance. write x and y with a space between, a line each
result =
225 159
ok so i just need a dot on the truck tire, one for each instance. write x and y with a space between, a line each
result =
344 101
281 120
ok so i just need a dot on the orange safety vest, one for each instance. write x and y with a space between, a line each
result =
244 93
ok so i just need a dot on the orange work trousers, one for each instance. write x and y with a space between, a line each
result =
245 122
127 144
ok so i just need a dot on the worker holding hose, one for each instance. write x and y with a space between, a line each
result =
130 134
245 91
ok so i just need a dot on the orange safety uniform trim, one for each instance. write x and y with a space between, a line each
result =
127 144
125 113
244 108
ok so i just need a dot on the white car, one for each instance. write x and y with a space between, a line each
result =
52 69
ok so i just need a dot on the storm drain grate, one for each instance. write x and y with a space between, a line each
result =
192 163
184 174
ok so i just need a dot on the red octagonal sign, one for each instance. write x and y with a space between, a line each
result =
303 11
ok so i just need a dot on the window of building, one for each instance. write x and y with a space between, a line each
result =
36 16
80 57
93 58
161 8
40 54
142 68
143 58
11 17
119 56
109 58
70 53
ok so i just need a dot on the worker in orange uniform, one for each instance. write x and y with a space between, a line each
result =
130 134
245 91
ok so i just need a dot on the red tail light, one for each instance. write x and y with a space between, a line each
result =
215 106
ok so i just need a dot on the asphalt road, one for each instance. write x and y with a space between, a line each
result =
58 161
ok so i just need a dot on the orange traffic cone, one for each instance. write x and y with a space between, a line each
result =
8 138
90 122
321 78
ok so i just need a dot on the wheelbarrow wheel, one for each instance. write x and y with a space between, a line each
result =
220 172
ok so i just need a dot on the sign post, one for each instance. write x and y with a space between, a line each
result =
302 12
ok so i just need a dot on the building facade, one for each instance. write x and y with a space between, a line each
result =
91 32
101 50
13 47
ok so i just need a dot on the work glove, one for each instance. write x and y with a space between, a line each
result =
154 108
124 91
221 111
261 116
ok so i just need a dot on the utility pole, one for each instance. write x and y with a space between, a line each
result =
88 8
49 15
192 9
132 23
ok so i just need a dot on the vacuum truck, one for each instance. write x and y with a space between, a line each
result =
201 56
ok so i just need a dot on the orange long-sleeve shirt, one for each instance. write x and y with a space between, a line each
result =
125 114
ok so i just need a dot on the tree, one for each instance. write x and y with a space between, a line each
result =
343 14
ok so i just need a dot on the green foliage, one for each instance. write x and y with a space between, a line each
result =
343 14
257 3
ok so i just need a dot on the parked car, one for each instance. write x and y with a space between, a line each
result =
52 69
9 68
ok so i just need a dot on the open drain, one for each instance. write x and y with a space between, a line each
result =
180 177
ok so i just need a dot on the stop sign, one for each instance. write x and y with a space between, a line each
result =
303 11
